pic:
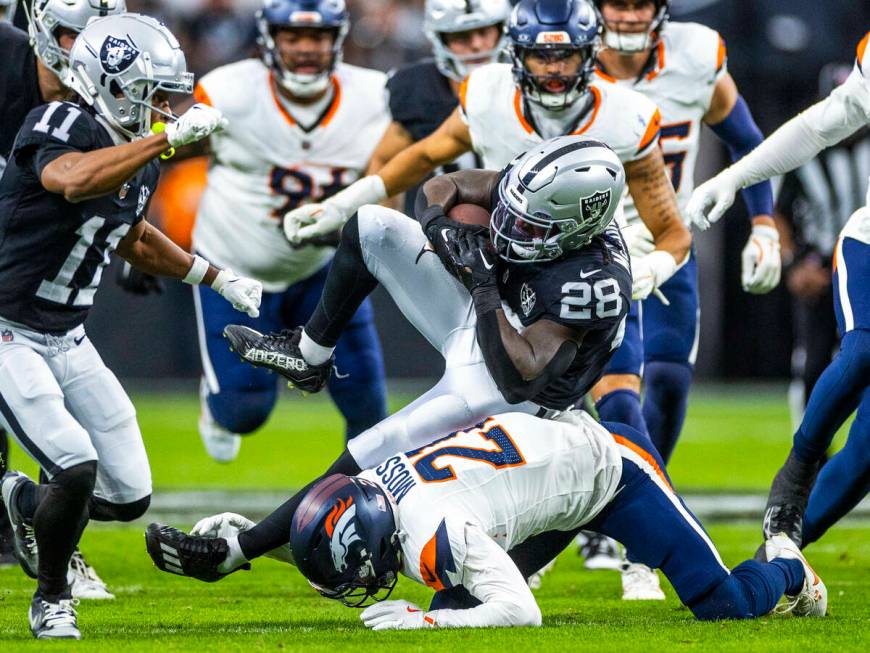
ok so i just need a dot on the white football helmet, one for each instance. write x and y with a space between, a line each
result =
630 42
119 62
45 16
452 16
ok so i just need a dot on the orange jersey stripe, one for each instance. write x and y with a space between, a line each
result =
200 95
652 131
278 103
646 455
603 75
463 92
720 56
335 102
597 94
518 108
427 565
660 63
862 47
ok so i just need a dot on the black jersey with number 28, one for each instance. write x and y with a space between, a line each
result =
588 289
52 252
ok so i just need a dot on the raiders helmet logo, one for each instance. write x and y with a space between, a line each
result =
594 206
117 55
527 299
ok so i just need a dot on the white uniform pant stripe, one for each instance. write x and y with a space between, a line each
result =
208 372
843 289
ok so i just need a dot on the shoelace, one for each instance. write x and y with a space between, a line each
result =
278 338
61 613
30 539
83 570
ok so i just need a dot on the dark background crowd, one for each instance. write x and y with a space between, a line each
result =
776 49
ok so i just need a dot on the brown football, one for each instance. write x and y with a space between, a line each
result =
469 214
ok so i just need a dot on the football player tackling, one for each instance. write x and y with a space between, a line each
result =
792 507
76 188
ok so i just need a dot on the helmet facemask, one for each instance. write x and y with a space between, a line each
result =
534 87
646 36
459 66
302 85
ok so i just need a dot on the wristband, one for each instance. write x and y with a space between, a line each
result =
222 277
197 271
486 299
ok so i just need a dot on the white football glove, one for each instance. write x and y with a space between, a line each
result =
312 221
395 615
225 525
711 199
243 293
193 125
649 272
761 261
639 240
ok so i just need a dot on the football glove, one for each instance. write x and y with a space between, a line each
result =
395 615
649 272
475 260
225 525
638 239
137 282
711 199
194 124
441 232
243 293
761 261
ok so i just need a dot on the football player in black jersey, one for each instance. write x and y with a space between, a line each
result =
561 268
78 182
29 77
422 95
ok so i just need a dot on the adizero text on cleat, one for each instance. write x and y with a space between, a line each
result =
176 552
280 353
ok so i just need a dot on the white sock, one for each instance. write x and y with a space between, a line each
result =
313 353
235 558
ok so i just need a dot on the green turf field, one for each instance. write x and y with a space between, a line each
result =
733 442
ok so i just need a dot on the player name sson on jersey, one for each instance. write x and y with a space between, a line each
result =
397 479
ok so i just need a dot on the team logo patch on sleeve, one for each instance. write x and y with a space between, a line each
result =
594 206
117 55
527 299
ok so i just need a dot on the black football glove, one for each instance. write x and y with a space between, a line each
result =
442 231
476 260
137 282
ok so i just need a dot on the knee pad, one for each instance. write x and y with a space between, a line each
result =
242 411
102 510
77 481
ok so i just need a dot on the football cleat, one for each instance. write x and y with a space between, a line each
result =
24 538
812 600
7 542
598 551
84 581
784 519
176 552
54 620
537 579
280 353
222 445
640 583
788 498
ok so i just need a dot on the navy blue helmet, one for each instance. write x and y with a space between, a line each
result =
553 29
313 14
345 542
642 37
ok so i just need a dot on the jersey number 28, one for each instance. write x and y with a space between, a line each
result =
580 298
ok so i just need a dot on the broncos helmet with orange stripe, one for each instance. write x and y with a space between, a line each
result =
313 14
648 34
345 542
553 28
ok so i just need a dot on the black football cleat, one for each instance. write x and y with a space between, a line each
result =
784 519
176 552
280 353
789 494
23 535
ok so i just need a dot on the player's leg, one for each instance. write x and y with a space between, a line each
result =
7 548
48 518
236 398
670 344
648 517
844 481
357 385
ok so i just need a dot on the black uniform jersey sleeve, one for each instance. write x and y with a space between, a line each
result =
52 130
420 98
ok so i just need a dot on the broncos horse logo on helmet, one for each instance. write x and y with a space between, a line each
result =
344 540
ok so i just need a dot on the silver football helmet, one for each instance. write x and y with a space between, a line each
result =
452 16
117 65
46 16
556 198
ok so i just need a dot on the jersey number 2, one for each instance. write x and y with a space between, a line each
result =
505 454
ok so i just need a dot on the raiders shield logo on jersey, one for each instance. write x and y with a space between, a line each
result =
117 55
593 206
527 299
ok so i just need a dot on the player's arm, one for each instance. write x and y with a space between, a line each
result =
149 250
730 119
394 140
407 169
656 203
489 575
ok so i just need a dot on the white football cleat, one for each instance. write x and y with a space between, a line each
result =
83 580
222 445
598 551
812 601
536 579
640 583
53 620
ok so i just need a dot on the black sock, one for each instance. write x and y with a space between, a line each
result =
532 555
348 283
58 523
4 453
274 530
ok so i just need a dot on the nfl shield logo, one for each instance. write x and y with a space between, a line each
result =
7 335
595 205
117 55
527 299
